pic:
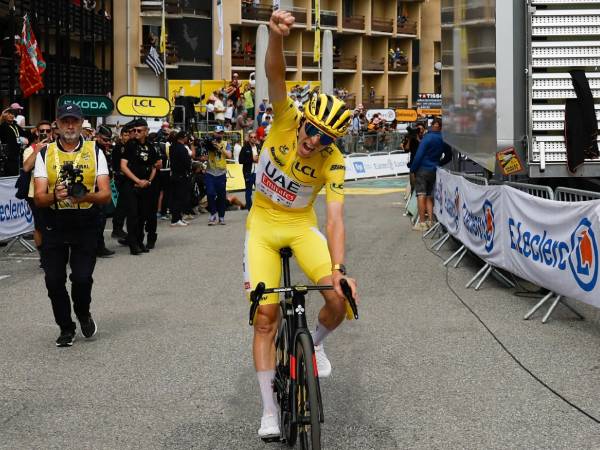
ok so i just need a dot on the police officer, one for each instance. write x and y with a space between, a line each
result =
181 166
71 180
121 208
151 222
138 167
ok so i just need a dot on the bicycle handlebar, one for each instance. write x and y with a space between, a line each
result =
261 290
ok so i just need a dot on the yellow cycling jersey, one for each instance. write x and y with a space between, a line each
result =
286 182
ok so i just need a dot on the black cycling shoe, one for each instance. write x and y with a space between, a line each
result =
66 338
88 327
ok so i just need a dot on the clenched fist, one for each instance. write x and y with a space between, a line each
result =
281 22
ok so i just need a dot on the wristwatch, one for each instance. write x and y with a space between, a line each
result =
340 267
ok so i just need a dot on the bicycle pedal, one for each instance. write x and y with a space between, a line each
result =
270 439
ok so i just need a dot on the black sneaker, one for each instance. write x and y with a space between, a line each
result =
118 234
104 253
66 338
88 327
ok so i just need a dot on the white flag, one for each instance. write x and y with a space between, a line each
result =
220 19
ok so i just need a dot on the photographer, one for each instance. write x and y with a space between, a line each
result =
15 138
71 180
138 167
215 178
181 165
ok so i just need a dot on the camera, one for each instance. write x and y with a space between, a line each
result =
207 143
72 178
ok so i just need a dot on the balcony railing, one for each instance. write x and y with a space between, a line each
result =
376 102
408 27
398 102
172 56
399 66
328 18
262 13
374 64
382 24
249 60
307 60
354 22
340 62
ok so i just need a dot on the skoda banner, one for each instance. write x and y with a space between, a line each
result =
552 244
15 216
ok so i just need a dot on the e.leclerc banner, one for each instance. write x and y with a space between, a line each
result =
554 244
15 215
472 213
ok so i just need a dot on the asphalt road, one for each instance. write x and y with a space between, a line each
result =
171 365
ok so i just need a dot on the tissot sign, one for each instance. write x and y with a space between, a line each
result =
143 106
91 105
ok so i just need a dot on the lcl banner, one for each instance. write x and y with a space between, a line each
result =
552 244
16 217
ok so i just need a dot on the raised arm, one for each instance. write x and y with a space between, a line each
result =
280 25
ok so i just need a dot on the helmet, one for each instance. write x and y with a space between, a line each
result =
328 113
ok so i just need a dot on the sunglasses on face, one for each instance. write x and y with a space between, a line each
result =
45 130
312 131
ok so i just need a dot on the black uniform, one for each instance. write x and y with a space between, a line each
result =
181 165
10 134
163 178
140 160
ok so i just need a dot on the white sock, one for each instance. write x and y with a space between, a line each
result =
265 380
320 333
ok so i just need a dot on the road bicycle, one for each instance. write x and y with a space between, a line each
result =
296 381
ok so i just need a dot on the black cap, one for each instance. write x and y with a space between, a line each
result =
69 110
139 123
104 131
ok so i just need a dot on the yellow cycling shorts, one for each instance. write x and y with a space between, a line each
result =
268 231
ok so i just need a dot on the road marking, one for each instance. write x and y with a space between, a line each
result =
2 277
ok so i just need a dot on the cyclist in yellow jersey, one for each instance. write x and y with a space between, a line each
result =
297 159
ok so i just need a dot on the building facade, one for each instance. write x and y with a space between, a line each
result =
76 41
364 33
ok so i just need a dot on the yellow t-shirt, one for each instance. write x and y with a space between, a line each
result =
26 154
285 181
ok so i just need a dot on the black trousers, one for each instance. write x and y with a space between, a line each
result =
180 197
138 211
151 222
101 244
78 249
121 209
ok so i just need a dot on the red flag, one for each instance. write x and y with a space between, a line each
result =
32 62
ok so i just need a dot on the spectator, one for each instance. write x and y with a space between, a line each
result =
372 95
163 133
229 114
249 100
14 137
248 159
243 122
41 136
210 109
262 108
424 166
237 46
220 109
181 165
233 90
104 145
88 131
215 178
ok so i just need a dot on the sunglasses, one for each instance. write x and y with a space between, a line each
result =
312 131
45 130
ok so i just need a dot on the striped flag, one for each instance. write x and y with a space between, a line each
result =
153 61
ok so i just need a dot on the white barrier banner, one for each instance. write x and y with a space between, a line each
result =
376 165
15 215
554 244
472 214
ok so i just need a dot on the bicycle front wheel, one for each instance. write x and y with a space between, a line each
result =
307 395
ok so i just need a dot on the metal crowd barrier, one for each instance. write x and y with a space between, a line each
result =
564 194
533 189
371 141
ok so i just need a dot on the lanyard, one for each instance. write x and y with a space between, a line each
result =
15 130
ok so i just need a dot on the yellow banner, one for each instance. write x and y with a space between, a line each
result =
406 115
235 177
429 112
138 106
317 46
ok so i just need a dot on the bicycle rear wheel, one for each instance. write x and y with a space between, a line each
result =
307 395
283 385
